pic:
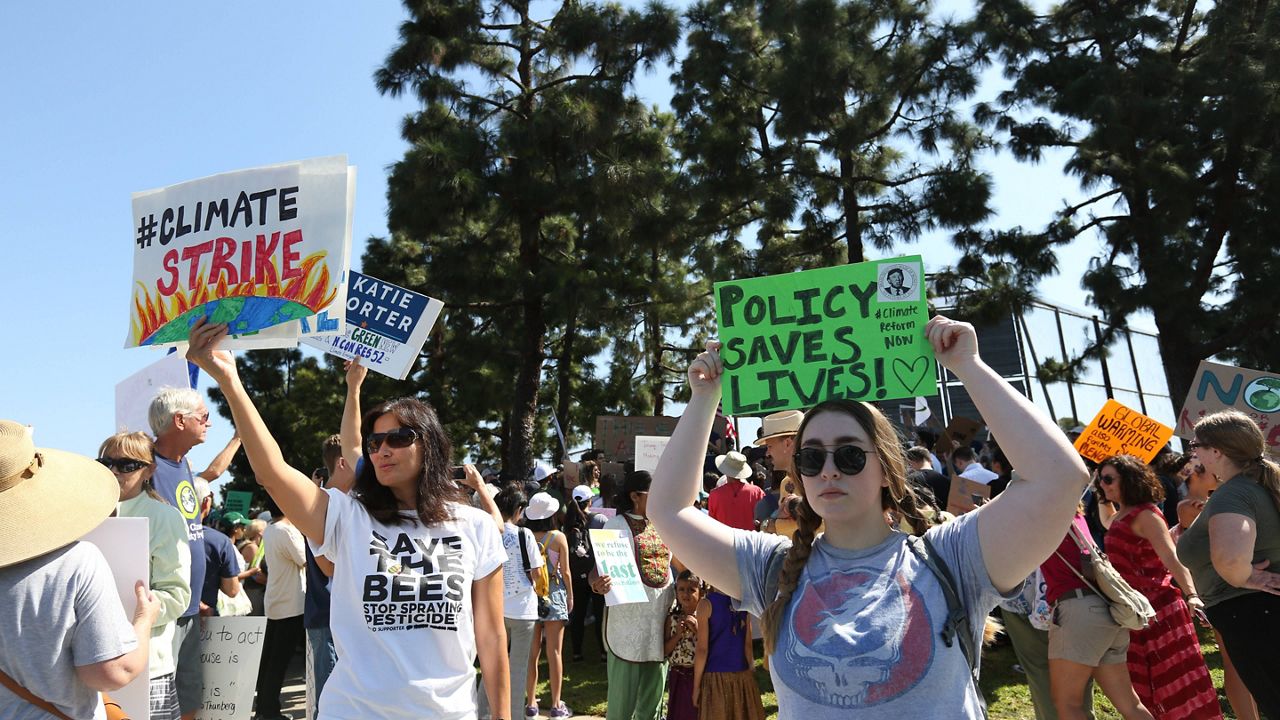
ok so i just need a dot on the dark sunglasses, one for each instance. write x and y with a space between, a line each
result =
1107 479
124 465
398 438
850 459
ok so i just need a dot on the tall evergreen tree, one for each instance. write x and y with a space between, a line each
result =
828 126
1169 111
513 105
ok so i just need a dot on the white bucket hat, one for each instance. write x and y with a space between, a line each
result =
541 506
734 464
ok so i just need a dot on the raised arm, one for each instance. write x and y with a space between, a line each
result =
475 481
703 544
302 502
349 431
222 460
1021 527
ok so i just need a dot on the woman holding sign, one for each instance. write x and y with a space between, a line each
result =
1233 549
634 632
416 594
855 619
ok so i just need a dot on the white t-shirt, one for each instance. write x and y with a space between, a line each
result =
286 559
978 474
518 599
400 612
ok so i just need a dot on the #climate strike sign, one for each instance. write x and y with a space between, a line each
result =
387 326
854 331
1121 430
253 249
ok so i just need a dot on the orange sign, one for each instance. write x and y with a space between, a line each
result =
1119 430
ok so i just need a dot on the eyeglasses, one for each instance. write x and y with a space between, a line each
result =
202 419
1107 479
123 465
398 438
850 459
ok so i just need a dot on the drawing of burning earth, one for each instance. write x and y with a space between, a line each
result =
246 308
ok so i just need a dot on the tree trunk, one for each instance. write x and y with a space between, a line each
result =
849 196
1178 351
564 375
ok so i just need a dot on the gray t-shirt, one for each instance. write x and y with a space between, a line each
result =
1240 496
57 612
862 631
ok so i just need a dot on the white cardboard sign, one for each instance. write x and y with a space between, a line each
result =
125 542
648 450
615 559
230 650
134 393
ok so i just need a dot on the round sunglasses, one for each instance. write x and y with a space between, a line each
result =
123 465
398 438
850 459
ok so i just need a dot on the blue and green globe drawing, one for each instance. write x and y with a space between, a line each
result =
241 314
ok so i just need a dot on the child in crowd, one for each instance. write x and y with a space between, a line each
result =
724 683
680 648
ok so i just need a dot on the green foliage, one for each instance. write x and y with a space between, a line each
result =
822 124
1169 112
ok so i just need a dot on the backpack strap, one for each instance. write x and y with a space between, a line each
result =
524 550
957 622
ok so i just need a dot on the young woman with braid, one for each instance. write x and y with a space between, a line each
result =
853 619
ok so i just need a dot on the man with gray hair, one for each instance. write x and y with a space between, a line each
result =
180 421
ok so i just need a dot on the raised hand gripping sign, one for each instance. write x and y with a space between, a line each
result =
854 331
253 248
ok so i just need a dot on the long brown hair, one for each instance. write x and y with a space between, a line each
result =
897 496
1233 434
435 483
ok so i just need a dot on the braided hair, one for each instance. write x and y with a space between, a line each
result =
897 496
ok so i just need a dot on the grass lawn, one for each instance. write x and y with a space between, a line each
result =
1005 688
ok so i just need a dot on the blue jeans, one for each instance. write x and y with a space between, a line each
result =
323 657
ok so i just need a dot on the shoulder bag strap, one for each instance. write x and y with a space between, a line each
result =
30 697
524 550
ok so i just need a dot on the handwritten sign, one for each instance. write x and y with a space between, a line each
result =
616 434
854 331
648 449
959 433
253 248
386 327
1121 430
1218 387
615 558
126 544
230 649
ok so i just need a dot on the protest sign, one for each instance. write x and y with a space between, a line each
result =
1218 387
648 449
230 650
965 495
854 331
134 393
615 559
238 501
386 326
616 434
1120 430
125 543
254 249
959 432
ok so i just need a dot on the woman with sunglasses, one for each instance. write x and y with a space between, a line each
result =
1165 665
416 593
853 620
1233 549
131 458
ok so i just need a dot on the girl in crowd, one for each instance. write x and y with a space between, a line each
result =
417 586
724 681
130 456
549 629
853 619
1234 546
1165 664
681 647
633 632
1200 485
579 520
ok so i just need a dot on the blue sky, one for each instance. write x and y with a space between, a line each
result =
105 99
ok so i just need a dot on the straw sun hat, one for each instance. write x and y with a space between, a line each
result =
48 498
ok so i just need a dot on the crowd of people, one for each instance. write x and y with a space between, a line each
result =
844 547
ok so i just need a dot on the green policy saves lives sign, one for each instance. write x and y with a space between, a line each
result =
853 331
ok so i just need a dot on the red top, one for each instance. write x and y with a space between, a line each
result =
734 504
1133 557
1058 578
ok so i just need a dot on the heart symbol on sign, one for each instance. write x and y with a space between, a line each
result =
911 374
